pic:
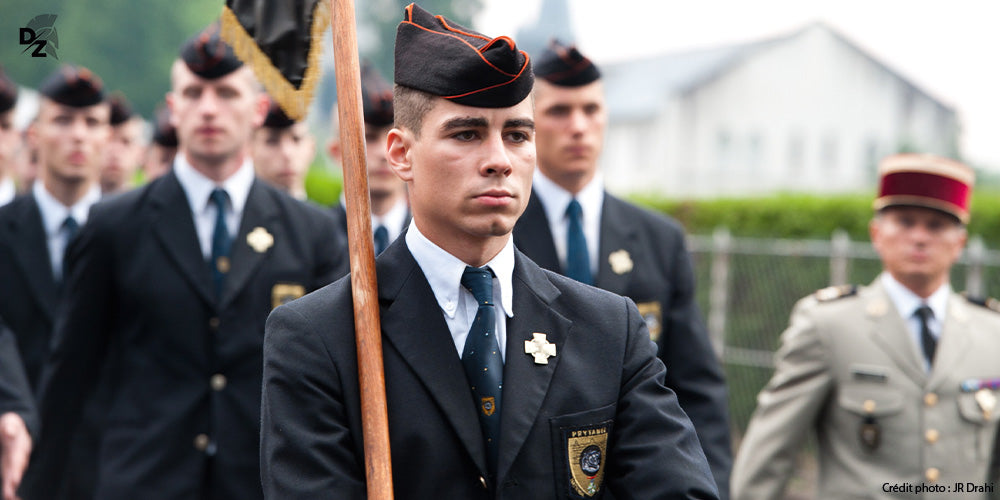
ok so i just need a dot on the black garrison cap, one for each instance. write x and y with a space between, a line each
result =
439 57
207 56
376 96
73 86
565 66
8 92
164 133
121 109
276 117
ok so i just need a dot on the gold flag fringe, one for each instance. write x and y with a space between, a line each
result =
294 102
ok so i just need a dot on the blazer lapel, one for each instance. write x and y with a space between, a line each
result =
890 333
533 236
252 242
527 381
33 253
618 237
407 301
954 343
174 227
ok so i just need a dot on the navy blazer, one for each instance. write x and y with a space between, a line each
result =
182 417
643 257
28 290
15 395
604 381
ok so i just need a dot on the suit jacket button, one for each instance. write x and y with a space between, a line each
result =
201 442
218 382
932 435
932 474
213 323
930 399
482 481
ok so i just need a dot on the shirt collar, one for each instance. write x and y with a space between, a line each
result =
54 213
907 302
444 271
394 219
197 187
555 199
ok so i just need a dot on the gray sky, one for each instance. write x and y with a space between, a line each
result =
950 52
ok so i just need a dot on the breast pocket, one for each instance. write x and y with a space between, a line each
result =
979 409
871 409
580 451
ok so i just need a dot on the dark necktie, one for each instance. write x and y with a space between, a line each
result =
71 226
221 241
381 239
929 342
482 361
577 257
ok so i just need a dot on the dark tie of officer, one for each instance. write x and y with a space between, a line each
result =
221 241
929 343
577 256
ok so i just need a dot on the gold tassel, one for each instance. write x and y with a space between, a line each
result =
294 102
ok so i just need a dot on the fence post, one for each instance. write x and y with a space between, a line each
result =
974 270
840 248
718 297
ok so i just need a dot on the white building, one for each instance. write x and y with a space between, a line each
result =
807 112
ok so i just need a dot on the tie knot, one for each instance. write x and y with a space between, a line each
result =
70 224
381 233
924 312
574 210
219 197
479 281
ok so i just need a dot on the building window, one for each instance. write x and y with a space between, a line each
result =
723 150
796 153
828 152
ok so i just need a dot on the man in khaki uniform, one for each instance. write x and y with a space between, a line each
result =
898 379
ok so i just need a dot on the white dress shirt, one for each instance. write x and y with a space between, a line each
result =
198 189
7 191
444 274
907 303
394 220
54 215
555 200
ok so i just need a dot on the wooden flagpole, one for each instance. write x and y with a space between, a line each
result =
378 463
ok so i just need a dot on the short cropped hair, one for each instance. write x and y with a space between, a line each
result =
409 107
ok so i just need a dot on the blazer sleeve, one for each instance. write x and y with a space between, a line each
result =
331 250
306 447
15 394
787 408
78 350
693 369
656 453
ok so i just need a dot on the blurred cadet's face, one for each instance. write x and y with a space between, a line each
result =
569 123
282 156
469 172
10 140
214 118
382 181
71 141
917 245
125 152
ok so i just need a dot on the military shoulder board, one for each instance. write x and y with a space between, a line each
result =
835 292
987 302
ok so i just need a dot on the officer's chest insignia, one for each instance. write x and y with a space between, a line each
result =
987 401
587 453
835 292
621 261
283 293
539 348
260 240
987 302
653 315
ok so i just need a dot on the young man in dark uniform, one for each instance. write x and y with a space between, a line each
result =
169 286
503 380
615 245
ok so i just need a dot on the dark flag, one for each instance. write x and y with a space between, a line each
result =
282 42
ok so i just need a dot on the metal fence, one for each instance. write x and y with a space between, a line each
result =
747 288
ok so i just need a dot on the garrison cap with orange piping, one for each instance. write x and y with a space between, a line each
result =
565 66
73 86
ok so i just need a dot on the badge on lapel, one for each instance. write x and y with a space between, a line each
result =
539 348
587 453
260 240
283 293
621 261
653 315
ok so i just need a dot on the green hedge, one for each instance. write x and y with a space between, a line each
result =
804 216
